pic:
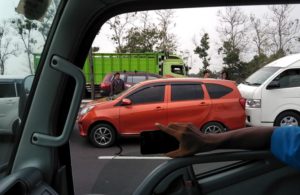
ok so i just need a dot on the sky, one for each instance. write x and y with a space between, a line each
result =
193 22
190 23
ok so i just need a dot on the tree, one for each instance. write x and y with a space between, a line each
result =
24 29
202 49
233 27
231 54
167 39
7 47
141 40
284 31
260 35
119 26
44 26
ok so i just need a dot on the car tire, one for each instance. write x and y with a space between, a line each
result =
102 135
288 118
213 127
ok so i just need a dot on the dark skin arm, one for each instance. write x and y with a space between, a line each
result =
192 140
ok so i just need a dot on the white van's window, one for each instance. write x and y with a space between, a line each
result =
260 76
289 78
7 90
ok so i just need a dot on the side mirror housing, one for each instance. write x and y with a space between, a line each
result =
273 85
126 102
27 83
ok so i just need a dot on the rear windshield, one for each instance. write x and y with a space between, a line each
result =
260 76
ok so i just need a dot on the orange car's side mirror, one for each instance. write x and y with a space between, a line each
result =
126 102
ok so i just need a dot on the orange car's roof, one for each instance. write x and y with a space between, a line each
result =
169 80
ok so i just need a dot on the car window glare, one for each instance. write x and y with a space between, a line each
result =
138 78
260 76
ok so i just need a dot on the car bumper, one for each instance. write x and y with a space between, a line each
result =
253 118
83 127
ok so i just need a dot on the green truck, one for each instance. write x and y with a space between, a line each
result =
104 63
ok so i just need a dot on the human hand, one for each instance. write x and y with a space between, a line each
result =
191 139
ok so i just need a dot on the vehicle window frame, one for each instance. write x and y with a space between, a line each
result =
209 94
201 87
173 66
145 87
14 86
279 76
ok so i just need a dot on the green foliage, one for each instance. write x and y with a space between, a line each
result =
202 50
141 40
8 47
231 54
24 28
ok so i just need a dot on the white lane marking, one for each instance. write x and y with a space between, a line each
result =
133 157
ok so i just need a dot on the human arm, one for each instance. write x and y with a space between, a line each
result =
193 141
285 145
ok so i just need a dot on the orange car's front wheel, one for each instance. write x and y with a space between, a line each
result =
102 135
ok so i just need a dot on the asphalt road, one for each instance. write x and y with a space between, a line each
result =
107 176
95 172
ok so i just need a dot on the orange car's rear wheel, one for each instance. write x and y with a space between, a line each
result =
213 127
102 135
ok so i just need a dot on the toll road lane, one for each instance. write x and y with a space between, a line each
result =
101 171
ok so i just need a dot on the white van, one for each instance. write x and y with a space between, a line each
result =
273 93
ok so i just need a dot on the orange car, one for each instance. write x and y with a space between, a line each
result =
212 105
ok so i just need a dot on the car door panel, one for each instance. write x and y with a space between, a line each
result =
9 113
135 118
143 115
190 110
251 172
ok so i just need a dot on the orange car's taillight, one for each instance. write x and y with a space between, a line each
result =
243 102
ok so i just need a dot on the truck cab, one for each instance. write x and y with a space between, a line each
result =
173 66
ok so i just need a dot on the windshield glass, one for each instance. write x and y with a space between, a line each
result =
260 76
20 39
105 139
232 44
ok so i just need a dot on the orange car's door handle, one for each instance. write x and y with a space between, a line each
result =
159 108
202 104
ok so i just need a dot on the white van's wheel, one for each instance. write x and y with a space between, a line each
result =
288 118
213 127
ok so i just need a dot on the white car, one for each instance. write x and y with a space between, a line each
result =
273 93
9 101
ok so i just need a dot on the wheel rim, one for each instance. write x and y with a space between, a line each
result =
213 129
103 136
289 121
